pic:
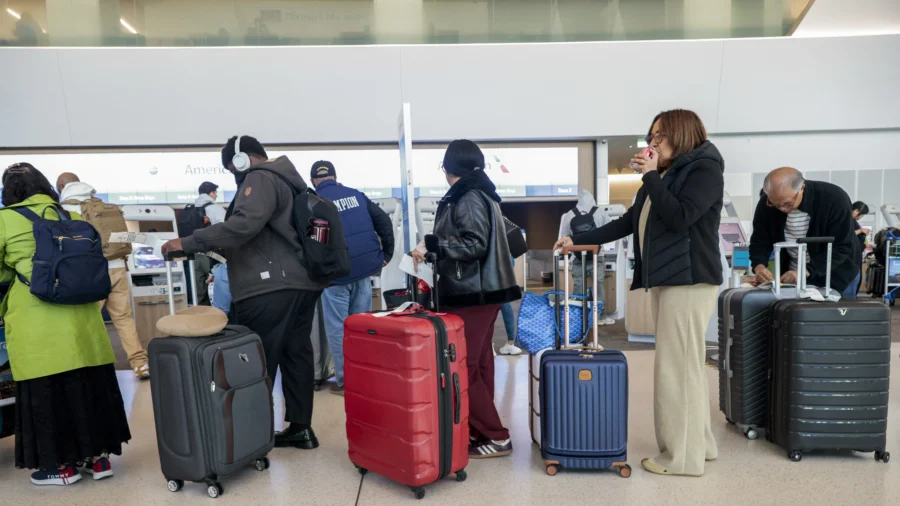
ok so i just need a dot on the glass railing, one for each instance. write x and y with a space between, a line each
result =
156 23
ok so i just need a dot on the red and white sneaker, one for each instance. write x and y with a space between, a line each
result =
65 476
100 469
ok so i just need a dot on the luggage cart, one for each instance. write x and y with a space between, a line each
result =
891 269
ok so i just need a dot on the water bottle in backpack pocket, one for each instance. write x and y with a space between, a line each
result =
68 262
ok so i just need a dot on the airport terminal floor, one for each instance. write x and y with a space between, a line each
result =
746 472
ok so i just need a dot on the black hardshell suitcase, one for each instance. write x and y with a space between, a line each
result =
830 375
744 315
212 404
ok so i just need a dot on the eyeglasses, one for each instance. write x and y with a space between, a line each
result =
786 206
657 138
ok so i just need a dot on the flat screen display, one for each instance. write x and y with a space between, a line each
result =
730 233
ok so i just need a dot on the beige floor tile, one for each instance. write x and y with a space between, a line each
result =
747 472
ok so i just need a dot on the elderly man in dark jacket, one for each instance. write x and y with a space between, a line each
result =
793 208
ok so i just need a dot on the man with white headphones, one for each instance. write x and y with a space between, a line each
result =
272 291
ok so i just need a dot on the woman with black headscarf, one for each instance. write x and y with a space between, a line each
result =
476 278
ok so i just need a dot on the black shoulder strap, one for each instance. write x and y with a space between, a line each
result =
577 211
206 205
593 210
281 177
28 213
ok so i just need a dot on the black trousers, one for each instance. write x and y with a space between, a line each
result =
283 320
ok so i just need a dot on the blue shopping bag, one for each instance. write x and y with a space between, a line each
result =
537 326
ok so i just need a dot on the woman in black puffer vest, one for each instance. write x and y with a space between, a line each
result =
476 279
675 222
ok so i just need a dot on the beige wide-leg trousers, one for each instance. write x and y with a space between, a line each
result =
680 387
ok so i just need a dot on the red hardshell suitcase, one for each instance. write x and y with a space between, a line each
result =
406 395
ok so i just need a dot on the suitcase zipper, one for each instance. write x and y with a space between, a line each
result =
458 406
445 401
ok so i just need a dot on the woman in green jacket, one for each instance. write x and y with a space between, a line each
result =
69 410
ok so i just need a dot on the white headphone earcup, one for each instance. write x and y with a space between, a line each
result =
241 162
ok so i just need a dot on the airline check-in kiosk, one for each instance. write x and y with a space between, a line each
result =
391 276
614 264
891 215
148 269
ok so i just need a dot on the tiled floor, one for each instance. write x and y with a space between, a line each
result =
747 472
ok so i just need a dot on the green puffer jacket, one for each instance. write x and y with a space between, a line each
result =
43 339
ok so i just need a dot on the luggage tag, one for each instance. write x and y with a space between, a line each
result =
407 308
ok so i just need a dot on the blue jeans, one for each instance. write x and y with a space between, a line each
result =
850 292
221 288
339 302
509 321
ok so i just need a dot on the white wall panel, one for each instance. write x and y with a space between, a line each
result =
844 83
203 96
191 96
32 103
556 90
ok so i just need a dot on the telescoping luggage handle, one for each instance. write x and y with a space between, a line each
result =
584 250
178 256
801 245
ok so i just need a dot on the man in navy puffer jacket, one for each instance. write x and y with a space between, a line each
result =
370 238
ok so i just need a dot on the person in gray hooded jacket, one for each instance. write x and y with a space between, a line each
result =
272 291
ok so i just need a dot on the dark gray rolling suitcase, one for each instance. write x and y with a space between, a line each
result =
212 403
830 373
744 357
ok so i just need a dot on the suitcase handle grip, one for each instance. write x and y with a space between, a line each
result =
592 248
815 240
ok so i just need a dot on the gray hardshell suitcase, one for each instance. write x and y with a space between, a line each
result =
830 376
744 330
212 403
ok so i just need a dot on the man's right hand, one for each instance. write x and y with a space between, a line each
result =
763 274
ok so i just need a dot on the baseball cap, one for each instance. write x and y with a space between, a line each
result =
206 188
321 169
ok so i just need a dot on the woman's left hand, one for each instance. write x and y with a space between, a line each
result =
418 257
646 163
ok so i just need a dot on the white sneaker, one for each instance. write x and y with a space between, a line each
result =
142 372
606 321
510 349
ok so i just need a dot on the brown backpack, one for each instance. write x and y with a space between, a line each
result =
106 218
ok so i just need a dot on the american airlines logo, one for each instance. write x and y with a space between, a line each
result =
497 161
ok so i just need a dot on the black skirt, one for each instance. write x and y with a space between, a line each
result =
69 417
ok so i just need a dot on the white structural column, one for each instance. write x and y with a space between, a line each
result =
601 167
398 21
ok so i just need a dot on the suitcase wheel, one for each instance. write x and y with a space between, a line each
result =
419 491
262 464
751 434
362 471
883 456
795 456
552 469
461 475
215 490
175 485
625 471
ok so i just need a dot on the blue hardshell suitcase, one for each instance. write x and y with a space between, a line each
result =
584 402
584 410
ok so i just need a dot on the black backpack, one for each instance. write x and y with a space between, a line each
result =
192 218
324 262
583 222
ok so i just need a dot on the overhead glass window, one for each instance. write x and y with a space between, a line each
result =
178 23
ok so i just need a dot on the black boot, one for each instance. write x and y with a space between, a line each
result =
303 438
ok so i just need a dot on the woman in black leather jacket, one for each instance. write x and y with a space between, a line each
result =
476 279
675 222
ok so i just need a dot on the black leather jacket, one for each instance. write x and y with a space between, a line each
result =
469 238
